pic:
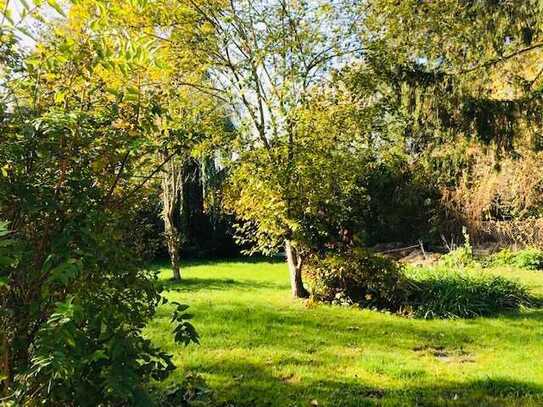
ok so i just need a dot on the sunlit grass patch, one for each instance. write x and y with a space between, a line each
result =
259 347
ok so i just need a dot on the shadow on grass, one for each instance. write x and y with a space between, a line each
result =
531 314
165 263
255 385
222 284
307 339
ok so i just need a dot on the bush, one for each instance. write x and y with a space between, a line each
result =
87 318
458 258
442 293
530 259
401 201
74 297
358 277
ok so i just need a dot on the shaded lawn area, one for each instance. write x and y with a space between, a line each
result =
259 347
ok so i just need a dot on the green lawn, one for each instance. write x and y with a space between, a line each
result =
259 347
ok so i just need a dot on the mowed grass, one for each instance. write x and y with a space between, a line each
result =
259 347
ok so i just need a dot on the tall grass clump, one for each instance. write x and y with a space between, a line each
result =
445 293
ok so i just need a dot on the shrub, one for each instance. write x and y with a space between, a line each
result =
358 277
80 338
442 293
504 257
74 297
530 258
458 258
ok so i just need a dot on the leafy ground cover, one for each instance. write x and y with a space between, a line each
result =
261 348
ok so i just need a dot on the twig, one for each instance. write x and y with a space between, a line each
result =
148 177
117 178
399 249
446 243
422 249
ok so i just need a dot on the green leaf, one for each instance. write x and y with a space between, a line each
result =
7 16
57 7
65 272
26 32
25 4
98 355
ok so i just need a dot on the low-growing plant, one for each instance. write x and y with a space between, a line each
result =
357 276
460 257
193 391
530 258
443 293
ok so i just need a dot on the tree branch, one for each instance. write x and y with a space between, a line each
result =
149 176
496 61
117 178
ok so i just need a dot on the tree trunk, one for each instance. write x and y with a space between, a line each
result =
294 262
171 194
5 367
172 241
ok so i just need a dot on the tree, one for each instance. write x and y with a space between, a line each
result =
172 189
266 57
462 67
189 117
452 78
